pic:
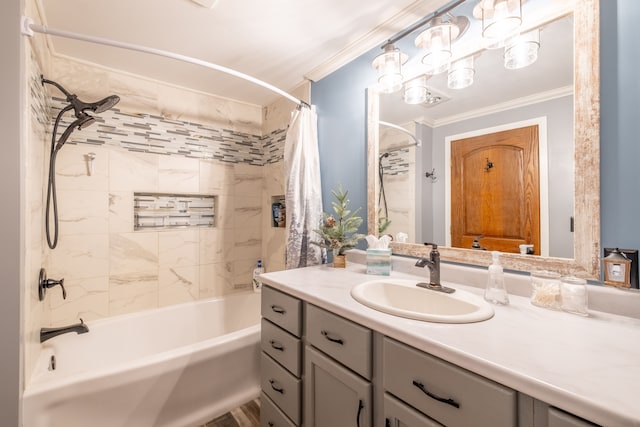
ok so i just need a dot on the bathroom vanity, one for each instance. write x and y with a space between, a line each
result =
328 360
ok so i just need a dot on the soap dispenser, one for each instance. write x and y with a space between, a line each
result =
496 291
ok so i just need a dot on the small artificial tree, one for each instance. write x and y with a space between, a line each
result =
338 231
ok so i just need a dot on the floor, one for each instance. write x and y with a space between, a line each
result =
247 415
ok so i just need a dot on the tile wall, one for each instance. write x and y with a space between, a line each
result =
399 180
231 150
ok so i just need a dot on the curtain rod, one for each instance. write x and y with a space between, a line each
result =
401 129
28 28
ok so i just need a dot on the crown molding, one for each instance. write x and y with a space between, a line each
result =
514 103
407 16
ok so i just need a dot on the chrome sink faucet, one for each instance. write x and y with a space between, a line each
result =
433 263
48 333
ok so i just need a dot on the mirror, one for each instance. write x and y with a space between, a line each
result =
435 127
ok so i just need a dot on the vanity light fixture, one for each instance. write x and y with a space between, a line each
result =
500 18
389 66
522 50
461 73
436 41
416 91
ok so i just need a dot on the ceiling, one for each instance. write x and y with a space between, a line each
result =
282 42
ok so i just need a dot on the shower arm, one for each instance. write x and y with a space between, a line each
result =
28 28
60 88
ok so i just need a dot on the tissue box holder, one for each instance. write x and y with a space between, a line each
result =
379 261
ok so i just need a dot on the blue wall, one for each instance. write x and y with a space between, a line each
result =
342 140
340 99
620 116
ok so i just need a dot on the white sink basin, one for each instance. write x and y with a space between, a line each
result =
403 298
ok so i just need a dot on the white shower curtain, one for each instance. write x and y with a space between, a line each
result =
303 193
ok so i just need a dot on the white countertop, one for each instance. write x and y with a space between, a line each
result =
589 366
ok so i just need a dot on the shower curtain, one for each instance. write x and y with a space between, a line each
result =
303 193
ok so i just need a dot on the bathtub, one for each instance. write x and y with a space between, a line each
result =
176 366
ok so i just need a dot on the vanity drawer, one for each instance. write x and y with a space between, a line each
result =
447 393
282 309
397 414
271 415
282 346
283 388
345 341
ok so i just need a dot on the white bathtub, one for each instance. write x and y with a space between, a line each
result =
176 366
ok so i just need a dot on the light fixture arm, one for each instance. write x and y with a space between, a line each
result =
29 27
424 21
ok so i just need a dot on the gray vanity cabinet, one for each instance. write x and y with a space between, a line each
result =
281 359
397 414
559 418
334 396
447 393
536 413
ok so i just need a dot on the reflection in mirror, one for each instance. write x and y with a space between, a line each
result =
552 99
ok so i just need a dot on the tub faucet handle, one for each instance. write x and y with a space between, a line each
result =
44 284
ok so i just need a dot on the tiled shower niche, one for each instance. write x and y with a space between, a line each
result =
157 211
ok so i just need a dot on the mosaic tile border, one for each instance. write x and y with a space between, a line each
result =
148 133
397 163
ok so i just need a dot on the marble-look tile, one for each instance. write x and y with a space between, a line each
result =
178 285
273 249
215 279
225 212
242 275
121 211
72 168
130 253
216 177
216 245
247 243
131 171
247 211
79 256
247 180
133 292
86 298
178 248
178 174
83 212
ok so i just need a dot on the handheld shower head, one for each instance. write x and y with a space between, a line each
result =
84 121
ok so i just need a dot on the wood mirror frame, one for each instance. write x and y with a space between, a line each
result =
586 261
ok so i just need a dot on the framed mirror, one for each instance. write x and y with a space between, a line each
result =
572 26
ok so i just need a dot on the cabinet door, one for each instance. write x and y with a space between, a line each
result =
397 414
559 418
334 396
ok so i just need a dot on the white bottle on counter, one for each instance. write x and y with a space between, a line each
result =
496 292
257 285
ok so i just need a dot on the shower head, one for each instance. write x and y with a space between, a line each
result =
105 104
84 121
97 107
80 106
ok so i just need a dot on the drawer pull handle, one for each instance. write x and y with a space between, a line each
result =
278 309
276 345
276 387
433 396
335 340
